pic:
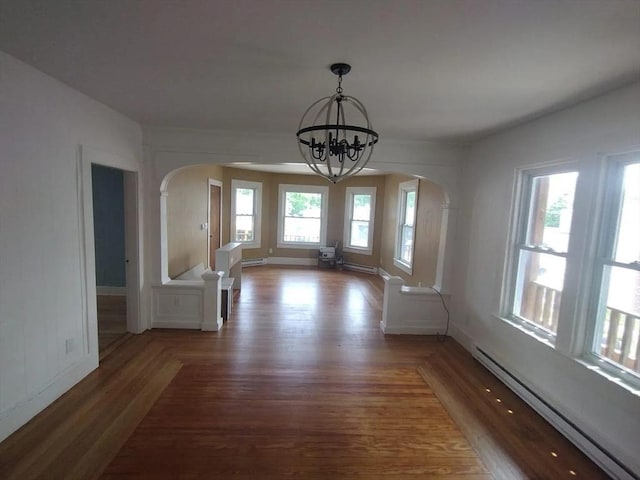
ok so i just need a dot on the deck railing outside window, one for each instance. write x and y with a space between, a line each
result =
620 342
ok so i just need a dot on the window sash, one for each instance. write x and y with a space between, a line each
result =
358 221
301 231
246 218
614 334
535 296
405 230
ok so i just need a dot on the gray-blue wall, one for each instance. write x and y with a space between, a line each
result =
108 224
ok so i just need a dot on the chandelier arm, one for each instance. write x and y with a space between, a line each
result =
358 166
310 162
301 130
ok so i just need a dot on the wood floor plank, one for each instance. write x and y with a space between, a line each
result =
511 438
300 383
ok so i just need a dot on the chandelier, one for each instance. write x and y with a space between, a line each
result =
336 150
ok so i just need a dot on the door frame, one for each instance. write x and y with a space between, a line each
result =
86 157
216 183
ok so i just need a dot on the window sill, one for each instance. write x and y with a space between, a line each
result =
405 267
538 334
612 373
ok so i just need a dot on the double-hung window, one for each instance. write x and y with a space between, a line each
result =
246 209
592 259
406 220
539 258
302 219
360 207
616 309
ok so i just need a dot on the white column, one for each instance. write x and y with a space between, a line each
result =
445 249
212 321
392 286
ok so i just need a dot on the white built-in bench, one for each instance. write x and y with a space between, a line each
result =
412 310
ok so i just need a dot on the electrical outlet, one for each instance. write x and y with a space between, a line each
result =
68 345
270 251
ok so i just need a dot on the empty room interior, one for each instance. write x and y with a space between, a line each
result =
320 239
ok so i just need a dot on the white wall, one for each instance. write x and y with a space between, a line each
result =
42 125
607 124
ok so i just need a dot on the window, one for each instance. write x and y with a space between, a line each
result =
302 219
405 235
360 208
540 253
616 330
573 277
246 209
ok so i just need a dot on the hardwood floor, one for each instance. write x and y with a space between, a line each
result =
112 322
300 383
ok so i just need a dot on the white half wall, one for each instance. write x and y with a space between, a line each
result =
608 124
44 320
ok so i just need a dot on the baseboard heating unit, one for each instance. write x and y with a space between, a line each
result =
580 439
252 262
361 268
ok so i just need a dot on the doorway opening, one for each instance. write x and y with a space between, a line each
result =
215 220
110 255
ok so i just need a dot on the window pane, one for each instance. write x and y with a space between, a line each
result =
406 242
628 241
550 210
301 204
619 323
539 288
244 228
360 234
304 230
362 207
409 208
244 201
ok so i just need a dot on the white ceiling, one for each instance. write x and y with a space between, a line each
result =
449 70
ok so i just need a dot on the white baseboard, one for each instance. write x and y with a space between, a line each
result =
462 337
14 418
108 290
292 261
383 273
572 432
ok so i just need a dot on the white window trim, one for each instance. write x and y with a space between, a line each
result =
324 191
576 333
257 210
403 188
522 191
605 236
348 214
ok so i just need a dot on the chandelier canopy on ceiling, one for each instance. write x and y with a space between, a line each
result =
336 150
